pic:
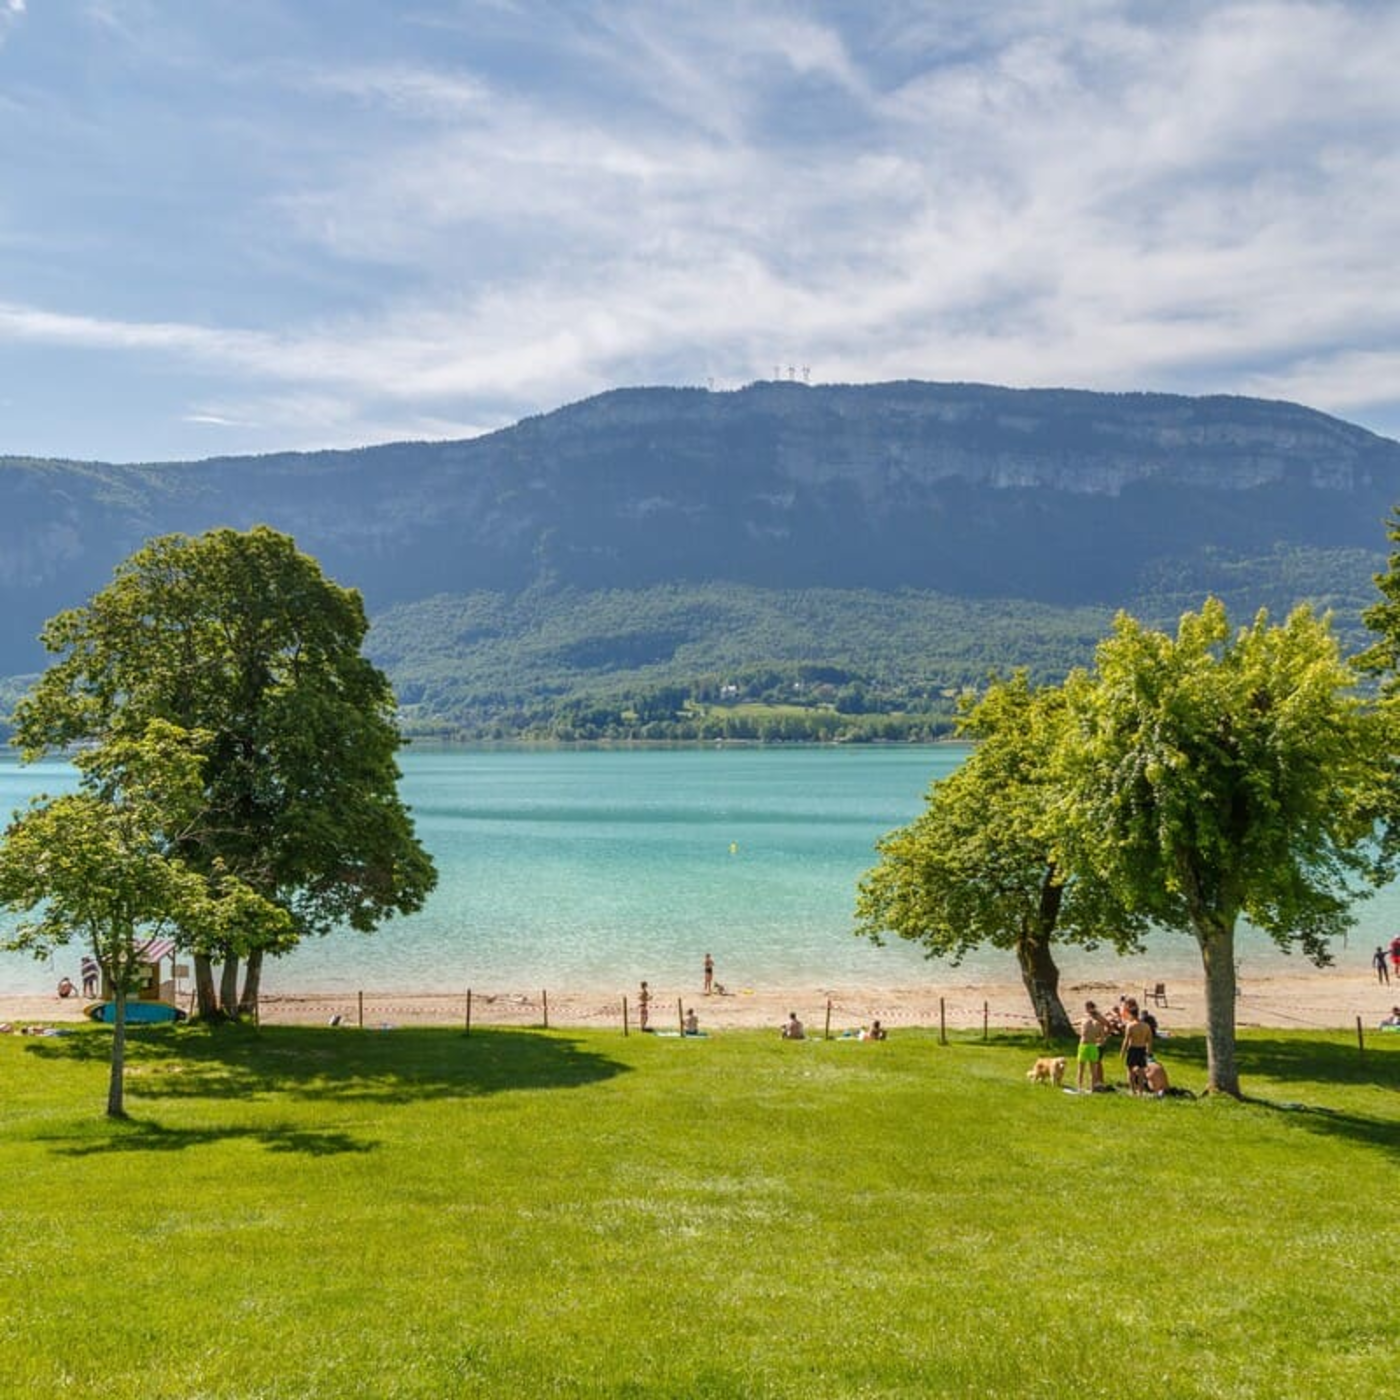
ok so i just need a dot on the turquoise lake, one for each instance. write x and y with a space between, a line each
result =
586 870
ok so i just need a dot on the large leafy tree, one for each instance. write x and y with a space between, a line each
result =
1216 775
240 636
980 865
99 866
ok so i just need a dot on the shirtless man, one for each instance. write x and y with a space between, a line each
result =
1137 1041
794 1030
709 974
1092 1031
643 1007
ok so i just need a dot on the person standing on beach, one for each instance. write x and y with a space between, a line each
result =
643 1007
1092 1031
709 974
1378 962
1137 1043
1395 955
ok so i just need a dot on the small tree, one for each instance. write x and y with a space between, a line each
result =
979 867
242 637
1212 776
97 866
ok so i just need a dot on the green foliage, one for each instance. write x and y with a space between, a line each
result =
980 866
577 1214
683 662
99 866
705 661
1213 775
242 638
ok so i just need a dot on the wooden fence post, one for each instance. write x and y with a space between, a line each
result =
985 1015
624 1016
942 1023
544 998
826 1034
1360 1038
361 997
469 1010
680 1016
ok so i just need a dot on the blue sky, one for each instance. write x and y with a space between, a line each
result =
246 225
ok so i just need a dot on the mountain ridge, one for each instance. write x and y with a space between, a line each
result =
1062 498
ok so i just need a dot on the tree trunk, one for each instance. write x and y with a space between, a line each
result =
115 1085
228 987
205 994
1042 979
1038 969
1218 956
252 984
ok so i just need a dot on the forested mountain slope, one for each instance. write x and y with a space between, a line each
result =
649 537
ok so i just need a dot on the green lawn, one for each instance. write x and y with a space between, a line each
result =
317 1212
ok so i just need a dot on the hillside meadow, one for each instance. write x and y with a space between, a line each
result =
312 1211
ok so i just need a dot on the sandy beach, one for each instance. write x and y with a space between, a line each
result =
1308 1000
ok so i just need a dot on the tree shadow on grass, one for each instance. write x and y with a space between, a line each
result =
136 1136
1312 1062
321 1064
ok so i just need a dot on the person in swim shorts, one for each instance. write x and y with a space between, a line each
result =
1092 1031
1137 1041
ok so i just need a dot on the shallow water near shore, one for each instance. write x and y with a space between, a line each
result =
586 870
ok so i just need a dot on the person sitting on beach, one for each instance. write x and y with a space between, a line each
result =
66 987
692 1022
793 1029
1392 1022
876 1032
1155 1077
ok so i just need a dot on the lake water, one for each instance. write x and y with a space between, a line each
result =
586 870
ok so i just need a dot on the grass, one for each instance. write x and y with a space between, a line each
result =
307 1212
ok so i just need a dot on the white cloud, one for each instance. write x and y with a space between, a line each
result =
1028 193
11 12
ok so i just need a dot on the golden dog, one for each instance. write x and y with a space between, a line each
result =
1047 1070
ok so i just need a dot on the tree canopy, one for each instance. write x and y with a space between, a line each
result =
99 866
241 637
1216 775
980 867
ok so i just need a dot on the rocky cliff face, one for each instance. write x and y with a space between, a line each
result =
1056 495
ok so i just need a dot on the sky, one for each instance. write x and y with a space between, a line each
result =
232 226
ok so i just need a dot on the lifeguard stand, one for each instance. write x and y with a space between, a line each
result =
151 986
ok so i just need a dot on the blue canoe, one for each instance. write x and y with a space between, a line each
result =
138 1013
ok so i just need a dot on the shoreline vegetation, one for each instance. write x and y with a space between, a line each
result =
1315 999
